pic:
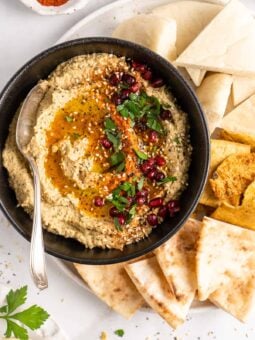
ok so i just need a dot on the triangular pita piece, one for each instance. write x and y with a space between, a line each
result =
177 259
224 50
213 95
112 285
240 123
243 88
230 105
220 150
158 34
243 215
191 17
152 285
196 75
225 254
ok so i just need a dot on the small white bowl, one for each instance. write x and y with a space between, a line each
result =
69 7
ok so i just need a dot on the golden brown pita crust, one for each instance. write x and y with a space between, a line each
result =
152 285
220 150
112 285
232 177
177 260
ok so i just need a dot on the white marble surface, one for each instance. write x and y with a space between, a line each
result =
81 315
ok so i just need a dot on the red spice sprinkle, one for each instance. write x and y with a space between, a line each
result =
52 2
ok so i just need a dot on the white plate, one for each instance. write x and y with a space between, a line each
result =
70 7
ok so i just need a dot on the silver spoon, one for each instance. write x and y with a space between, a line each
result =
24 131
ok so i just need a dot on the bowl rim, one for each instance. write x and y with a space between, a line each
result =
185 84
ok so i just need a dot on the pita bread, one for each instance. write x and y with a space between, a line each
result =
239 124
158 34
242 215
223 255
112 285
224 50
191 17
243 88
213 95
196 75
232 177
177 260
230 105
220 149
152 285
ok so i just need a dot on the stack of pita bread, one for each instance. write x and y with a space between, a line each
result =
212 257
205 260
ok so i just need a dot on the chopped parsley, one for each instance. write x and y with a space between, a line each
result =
69 119
119 332
141 155
117 224
140 184
142 106
168 179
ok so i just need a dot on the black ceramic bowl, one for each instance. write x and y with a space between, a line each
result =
39 68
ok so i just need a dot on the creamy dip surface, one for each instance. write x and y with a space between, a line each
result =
113 151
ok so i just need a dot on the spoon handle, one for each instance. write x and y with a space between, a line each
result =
37 254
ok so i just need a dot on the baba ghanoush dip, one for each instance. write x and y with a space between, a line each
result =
113 151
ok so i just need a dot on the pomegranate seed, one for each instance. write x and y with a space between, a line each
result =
122 219
134 88
152 219
173 207
157 82
130 200
142 193
165 114
139 66
128 79
151 161
147 75
140 200
152 174
159 176
145 167
116 99
162 212
153 136
156 202
114 79
113 212
160 161
98 201
124 94
106 143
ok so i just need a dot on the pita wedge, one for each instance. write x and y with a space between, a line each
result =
232 177
227 44
213 95
153 286
177 259
191 17
243 88
243 215
239 124
225 267
230 105
158 34
220 150
112 285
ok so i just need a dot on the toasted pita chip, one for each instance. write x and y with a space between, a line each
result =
232 177
177 260
213 95
220 149
218 49
243 88
243 215
239 124
196 75
223 256
230 105
152 285
158 34
112 285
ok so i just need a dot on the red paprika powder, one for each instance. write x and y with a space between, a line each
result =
52 2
